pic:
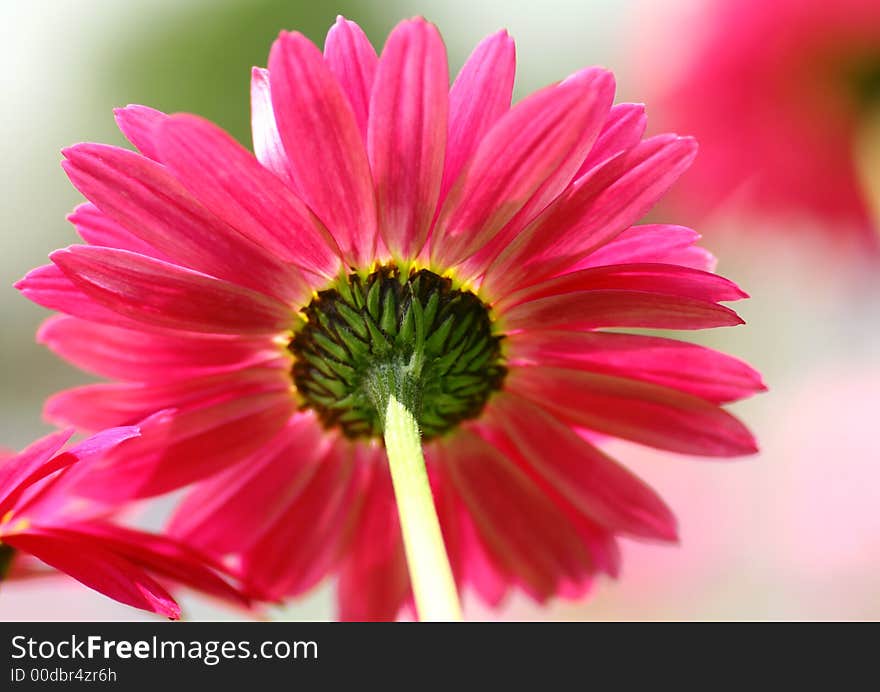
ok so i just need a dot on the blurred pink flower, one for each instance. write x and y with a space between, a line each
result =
41 517
795 533
829 518
388 220
778 95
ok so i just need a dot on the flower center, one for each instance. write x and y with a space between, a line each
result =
396 328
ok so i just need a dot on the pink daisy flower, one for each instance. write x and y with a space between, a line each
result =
393 238
781 96
42 518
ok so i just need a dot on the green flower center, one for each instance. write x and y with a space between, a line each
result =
403 329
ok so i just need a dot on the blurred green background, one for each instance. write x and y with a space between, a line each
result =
749 549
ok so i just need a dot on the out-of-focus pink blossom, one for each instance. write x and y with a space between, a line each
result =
794 533
42 517
779 94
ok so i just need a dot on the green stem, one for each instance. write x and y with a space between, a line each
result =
6 555
431 576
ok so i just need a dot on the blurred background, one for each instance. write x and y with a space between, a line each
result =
793 533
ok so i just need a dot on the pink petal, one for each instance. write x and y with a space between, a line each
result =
406 138
163 556
618 308
49 287
599 85
94 227
229 512
166 295
56 501
304 544
526 533
49 502
324 146
32 466
471 563
230 182
15 468
96 406
102 442
478 98
601 544
480 570
176 449
680 365
143 196
604 551
447 504
665 279
525 148
623 130
91 564
593 211
660 243
143 357
374 579
267 142
352 59
138 124
579 473
639 411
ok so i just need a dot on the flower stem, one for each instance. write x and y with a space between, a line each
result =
6 555
433 585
